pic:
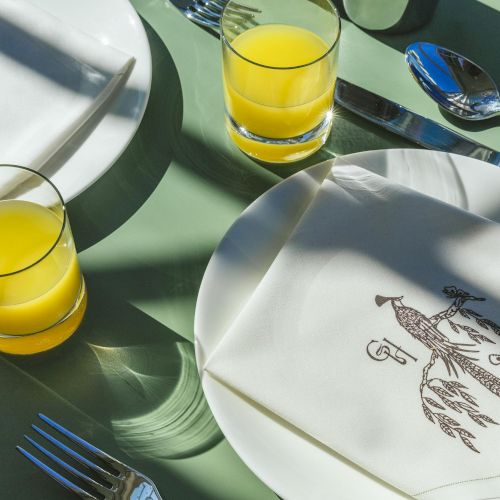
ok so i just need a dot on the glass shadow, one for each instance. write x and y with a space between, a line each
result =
132 376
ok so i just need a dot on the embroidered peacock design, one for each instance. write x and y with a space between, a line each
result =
439 396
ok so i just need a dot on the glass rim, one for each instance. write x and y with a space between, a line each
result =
63 225
255 63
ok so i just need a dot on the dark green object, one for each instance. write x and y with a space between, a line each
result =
389 16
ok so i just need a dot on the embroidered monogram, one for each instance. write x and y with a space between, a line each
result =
380 350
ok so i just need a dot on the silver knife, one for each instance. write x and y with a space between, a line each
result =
408 124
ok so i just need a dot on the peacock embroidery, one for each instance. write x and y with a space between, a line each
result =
440 397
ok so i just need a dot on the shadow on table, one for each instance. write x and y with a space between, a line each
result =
246 178
171 278
136 378
233 173
470 126
468 27
114 198
350 134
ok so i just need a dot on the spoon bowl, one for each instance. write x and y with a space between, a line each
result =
456 83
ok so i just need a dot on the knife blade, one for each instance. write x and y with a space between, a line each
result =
408 124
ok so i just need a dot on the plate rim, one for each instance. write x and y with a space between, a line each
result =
71 191
137 123
237 444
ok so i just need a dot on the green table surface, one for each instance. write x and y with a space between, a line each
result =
127 381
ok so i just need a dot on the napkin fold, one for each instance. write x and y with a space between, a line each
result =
53 79
375 331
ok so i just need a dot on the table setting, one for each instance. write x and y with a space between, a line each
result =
249 249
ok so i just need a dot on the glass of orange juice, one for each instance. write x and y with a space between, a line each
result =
42 292
279 71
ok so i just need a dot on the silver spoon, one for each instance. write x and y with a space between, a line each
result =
453 81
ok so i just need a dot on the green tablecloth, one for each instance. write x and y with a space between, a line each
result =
127 380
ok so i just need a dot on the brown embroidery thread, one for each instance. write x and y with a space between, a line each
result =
451 394
495 359
379 351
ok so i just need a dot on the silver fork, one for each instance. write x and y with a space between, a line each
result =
124 482
208 13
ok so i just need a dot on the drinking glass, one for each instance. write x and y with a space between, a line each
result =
279 71
42 291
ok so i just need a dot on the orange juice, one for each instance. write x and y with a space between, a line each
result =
278 86
40 279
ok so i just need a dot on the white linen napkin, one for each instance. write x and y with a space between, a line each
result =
353 336
53 78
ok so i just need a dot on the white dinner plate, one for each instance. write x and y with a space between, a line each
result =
92 152
290 464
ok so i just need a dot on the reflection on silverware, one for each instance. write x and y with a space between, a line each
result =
208 13
456 83
408 124
117 481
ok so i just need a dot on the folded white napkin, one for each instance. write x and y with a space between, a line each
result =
53 78
353 336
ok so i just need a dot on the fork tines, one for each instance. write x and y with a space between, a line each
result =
208 13
106 476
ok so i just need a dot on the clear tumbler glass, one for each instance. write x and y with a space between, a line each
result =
279 70
42 292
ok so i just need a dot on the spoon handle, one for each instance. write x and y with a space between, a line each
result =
408 124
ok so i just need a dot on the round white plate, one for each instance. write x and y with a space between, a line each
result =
290 464
89 156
